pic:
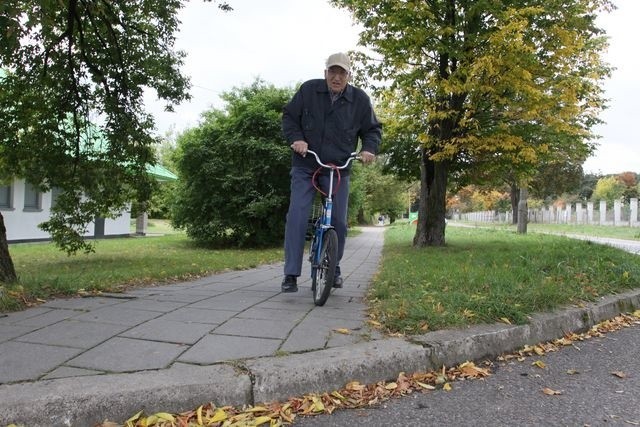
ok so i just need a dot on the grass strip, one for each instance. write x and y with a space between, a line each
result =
617 232
489 275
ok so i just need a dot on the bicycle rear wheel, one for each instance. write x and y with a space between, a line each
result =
325 271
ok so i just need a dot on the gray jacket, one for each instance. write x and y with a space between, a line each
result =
332 131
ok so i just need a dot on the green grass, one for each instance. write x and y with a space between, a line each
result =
618 232
44 271
484 275
156 226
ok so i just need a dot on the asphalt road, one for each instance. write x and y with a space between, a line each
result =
599 381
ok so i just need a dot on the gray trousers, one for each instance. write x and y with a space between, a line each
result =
300 204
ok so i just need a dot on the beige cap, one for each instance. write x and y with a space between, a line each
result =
341 60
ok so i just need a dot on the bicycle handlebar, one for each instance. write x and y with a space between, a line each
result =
352 156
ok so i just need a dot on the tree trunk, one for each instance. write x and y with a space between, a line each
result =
433 186
523 212
7 270
515 198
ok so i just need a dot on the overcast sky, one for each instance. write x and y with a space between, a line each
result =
286 41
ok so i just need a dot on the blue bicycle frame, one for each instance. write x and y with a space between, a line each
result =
325 259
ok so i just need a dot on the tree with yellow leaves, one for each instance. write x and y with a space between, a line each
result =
483 88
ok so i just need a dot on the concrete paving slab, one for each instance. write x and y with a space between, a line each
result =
306 338
257 312
218 288
178 297
257 328
72 333
150 304
66 372
81 303
18 316
220 348
231 301
117 316
303 296
337 339
127 355
199 315
24 361
169 331
49 318
8 332
290 304
351 313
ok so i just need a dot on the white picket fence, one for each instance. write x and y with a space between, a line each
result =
622 214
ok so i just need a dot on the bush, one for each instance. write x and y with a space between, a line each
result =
234 172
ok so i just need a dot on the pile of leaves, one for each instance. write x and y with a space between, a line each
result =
357 395
354 395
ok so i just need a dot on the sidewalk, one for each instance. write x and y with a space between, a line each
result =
232 339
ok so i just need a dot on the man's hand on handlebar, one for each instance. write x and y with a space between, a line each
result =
366 157
300 147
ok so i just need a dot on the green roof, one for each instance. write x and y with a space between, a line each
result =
160 173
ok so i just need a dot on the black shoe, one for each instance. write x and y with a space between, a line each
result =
337 282
289 284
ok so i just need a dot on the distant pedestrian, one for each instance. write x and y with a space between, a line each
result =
327 116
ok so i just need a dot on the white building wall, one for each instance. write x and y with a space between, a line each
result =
118 226
23 225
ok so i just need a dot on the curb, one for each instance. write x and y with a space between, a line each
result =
84 401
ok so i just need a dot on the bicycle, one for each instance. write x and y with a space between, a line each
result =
323 251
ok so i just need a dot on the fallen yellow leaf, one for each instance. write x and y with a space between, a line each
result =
342 331
505 320
338 395
219 415
134 418
636 314
469 369
425 386
551 392
572 372
619 374
199 415
261 420
538 350
391 386
540 364
318 406
447 387
564 341
355 386
165 416
257 409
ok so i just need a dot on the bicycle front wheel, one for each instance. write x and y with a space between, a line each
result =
325 271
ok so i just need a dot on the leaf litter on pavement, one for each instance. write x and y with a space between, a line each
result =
356 395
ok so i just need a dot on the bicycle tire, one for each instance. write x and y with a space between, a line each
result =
325 271
312 259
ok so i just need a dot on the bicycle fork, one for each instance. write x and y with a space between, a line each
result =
324 224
